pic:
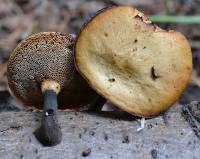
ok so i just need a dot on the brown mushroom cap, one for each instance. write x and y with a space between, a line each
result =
130 61
47 56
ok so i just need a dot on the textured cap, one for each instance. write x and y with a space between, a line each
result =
47 56
133 63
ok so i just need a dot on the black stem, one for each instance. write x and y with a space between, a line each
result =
97 104
49 133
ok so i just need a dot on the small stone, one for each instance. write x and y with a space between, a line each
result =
36 151
91 133
105 137
126 140
154 153
86 152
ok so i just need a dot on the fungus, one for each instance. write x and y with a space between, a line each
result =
153 64
41 71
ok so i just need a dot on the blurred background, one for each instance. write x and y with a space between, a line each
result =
21 18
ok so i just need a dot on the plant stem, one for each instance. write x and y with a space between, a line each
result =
175 19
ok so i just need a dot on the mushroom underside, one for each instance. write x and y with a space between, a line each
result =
136 65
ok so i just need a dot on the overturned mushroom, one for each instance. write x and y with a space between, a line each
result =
129 60
40 70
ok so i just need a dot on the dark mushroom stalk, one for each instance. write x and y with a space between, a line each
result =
49 133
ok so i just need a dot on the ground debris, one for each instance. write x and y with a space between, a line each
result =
191 113
86 152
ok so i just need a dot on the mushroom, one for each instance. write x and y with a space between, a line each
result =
41 70
136 65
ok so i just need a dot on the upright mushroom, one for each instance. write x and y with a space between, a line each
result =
132 62
40 70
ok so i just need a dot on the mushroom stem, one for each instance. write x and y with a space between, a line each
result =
49 133
97 104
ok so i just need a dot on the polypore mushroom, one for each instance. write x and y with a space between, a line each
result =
42 68
132 62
